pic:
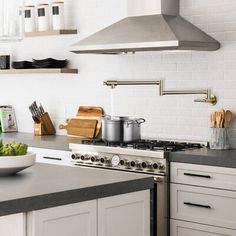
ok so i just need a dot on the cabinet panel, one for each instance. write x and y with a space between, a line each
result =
126 215
69 220
202 175
12 225
203 205
182 228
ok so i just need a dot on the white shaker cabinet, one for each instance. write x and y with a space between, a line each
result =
120 215
182 228
69 220
12 225
124 215
202 200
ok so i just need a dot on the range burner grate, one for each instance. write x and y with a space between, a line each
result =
153 145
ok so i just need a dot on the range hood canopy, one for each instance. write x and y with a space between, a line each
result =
154 26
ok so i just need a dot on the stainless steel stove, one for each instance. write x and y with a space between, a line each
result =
147 157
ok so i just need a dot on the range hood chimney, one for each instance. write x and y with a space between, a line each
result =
152 25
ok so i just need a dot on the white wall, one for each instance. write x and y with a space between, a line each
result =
172 117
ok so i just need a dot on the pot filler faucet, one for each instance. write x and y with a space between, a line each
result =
210 98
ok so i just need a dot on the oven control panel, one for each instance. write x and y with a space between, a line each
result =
121 162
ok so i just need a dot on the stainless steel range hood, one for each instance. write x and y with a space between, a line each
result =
152 25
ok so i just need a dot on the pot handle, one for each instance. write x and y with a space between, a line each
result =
137 121
140 121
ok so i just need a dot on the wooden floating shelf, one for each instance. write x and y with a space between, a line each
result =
51 32
40 71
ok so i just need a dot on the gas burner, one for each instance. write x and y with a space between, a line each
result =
150 145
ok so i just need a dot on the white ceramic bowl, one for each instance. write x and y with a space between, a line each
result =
10 165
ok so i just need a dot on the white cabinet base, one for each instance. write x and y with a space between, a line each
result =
182 228
68 220
124 215
12 225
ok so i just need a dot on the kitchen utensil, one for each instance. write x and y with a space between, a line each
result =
121 129
131 129
80 127
91 112
218 116
222 111
228 118
213 120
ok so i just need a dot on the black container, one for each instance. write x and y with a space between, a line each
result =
5 62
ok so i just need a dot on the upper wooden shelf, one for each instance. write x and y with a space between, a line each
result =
40 71
51 32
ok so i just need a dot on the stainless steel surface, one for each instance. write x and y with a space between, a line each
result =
210 98
121 129
161 31
134 161
132 129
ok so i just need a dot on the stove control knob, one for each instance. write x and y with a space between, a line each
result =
140 165
127 163
105 160
151 165
161 166
115 160
76 156
122 162
85 157
95 159
133 164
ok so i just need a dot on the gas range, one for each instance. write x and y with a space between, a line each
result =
143 156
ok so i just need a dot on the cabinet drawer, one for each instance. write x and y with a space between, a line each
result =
203 205
182 228
206 176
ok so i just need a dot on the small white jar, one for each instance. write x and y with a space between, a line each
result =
58 21
29 18
43 17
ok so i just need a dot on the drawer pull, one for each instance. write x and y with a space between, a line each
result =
197 205
196 175
53 158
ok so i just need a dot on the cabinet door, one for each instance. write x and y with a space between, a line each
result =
124 215
205 176
203 205
182 228
12 225
78 219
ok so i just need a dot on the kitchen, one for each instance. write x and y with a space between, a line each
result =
167 117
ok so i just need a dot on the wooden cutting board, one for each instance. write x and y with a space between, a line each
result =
91 112
80 127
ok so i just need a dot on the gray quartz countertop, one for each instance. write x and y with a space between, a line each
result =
44 185
206 156
49 142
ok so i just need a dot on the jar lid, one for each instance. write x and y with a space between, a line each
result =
57 2
43 4
29 6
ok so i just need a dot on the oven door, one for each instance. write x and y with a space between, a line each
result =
160 207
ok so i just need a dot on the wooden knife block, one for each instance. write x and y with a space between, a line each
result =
45 127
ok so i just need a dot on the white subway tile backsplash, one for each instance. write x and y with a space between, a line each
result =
176 117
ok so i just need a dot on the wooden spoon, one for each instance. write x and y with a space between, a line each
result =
228 118
222 125
213 120
218 119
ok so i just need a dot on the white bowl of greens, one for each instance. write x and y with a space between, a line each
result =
14 158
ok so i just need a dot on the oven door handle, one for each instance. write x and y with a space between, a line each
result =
159 179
